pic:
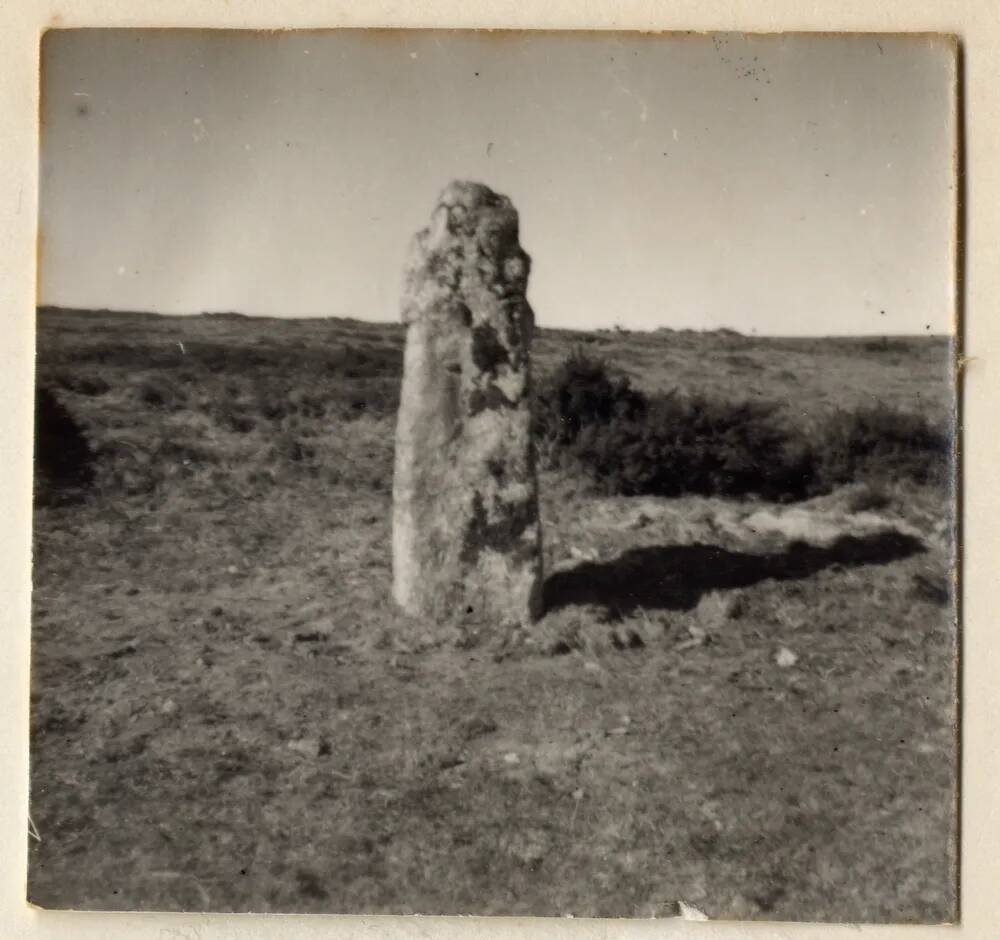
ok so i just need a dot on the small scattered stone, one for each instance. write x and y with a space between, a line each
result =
307 747
786 658
696 637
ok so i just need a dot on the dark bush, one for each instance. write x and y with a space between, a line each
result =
582 393
880 443
63 456
667 445
698 445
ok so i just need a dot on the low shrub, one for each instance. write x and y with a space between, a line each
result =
583 393
698 445
879 443
630 443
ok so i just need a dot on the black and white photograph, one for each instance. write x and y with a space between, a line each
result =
503 473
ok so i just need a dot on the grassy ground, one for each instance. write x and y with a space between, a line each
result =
746 707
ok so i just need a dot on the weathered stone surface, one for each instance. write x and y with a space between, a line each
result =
466 535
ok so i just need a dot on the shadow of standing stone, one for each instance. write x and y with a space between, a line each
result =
466 534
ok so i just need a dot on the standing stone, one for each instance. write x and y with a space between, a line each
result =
466 534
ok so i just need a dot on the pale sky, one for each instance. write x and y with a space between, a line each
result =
782 185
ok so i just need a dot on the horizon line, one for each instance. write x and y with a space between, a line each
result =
614 328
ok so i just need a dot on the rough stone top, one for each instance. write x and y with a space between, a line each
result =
472 240
471 195
472 210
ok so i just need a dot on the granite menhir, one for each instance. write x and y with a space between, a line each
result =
466 536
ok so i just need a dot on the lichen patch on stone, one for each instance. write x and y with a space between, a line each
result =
488 352
499 530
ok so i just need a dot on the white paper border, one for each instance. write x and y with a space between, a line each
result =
977 26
